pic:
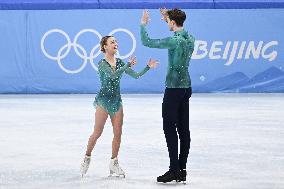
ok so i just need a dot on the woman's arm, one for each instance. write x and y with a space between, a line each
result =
136 75
151 64
105 68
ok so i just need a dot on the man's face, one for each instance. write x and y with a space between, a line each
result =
171 23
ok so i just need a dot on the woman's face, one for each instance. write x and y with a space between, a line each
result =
111 45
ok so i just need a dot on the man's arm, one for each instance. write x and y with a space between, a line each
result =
166 43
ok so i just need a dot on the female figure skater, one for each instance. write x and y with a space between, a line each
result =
108 100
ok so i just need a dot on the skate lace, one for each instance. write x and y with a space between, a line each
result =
87 161
116 164
85 165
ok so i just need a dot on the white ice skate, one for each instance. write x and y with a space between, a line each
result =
115 169
85 165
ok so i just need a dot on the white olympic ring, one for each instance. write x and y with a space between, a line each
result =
76 46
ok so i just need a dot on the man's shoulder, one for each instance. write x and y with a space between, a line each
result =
191 37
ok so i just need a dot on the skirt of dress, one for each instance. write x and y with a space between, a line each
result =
111 104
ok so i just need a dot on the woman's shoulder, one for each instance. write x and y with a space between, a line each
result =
120 62
102 62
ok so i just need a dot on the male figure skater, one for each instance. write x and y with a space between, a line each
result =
175 107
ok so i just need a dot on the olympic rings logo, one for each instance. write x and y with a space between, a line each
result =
94 53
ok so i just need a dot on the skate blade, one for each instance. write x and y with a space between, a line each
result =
116 175
173 182
83 175
182 182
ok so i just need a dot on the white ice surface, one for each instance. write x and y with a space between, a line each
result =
237 142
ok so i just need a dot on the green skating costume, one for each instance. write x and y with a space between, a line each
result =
180 47
109 97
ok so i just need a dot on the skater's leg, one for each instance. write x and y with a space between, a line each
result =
100 118
117 122
183 129
171 104
170 113
184 135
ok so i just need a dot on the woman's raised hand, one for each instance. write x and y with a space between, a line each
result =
132 60
153 63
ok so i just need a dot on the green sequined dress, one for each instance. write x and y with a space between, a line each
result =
109 97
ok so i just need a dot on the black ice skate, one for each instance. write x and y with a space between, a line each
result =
169 176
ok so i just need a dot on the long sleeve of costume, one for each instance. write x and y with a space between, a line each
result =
136 75
165 43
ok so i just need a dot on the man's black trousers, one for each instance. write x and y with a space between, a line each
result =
175 111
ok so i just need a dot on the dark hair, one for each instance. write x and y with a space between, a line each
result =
177 15
104 42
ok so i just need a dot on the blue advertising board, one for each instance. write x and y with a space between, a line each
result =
57 51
